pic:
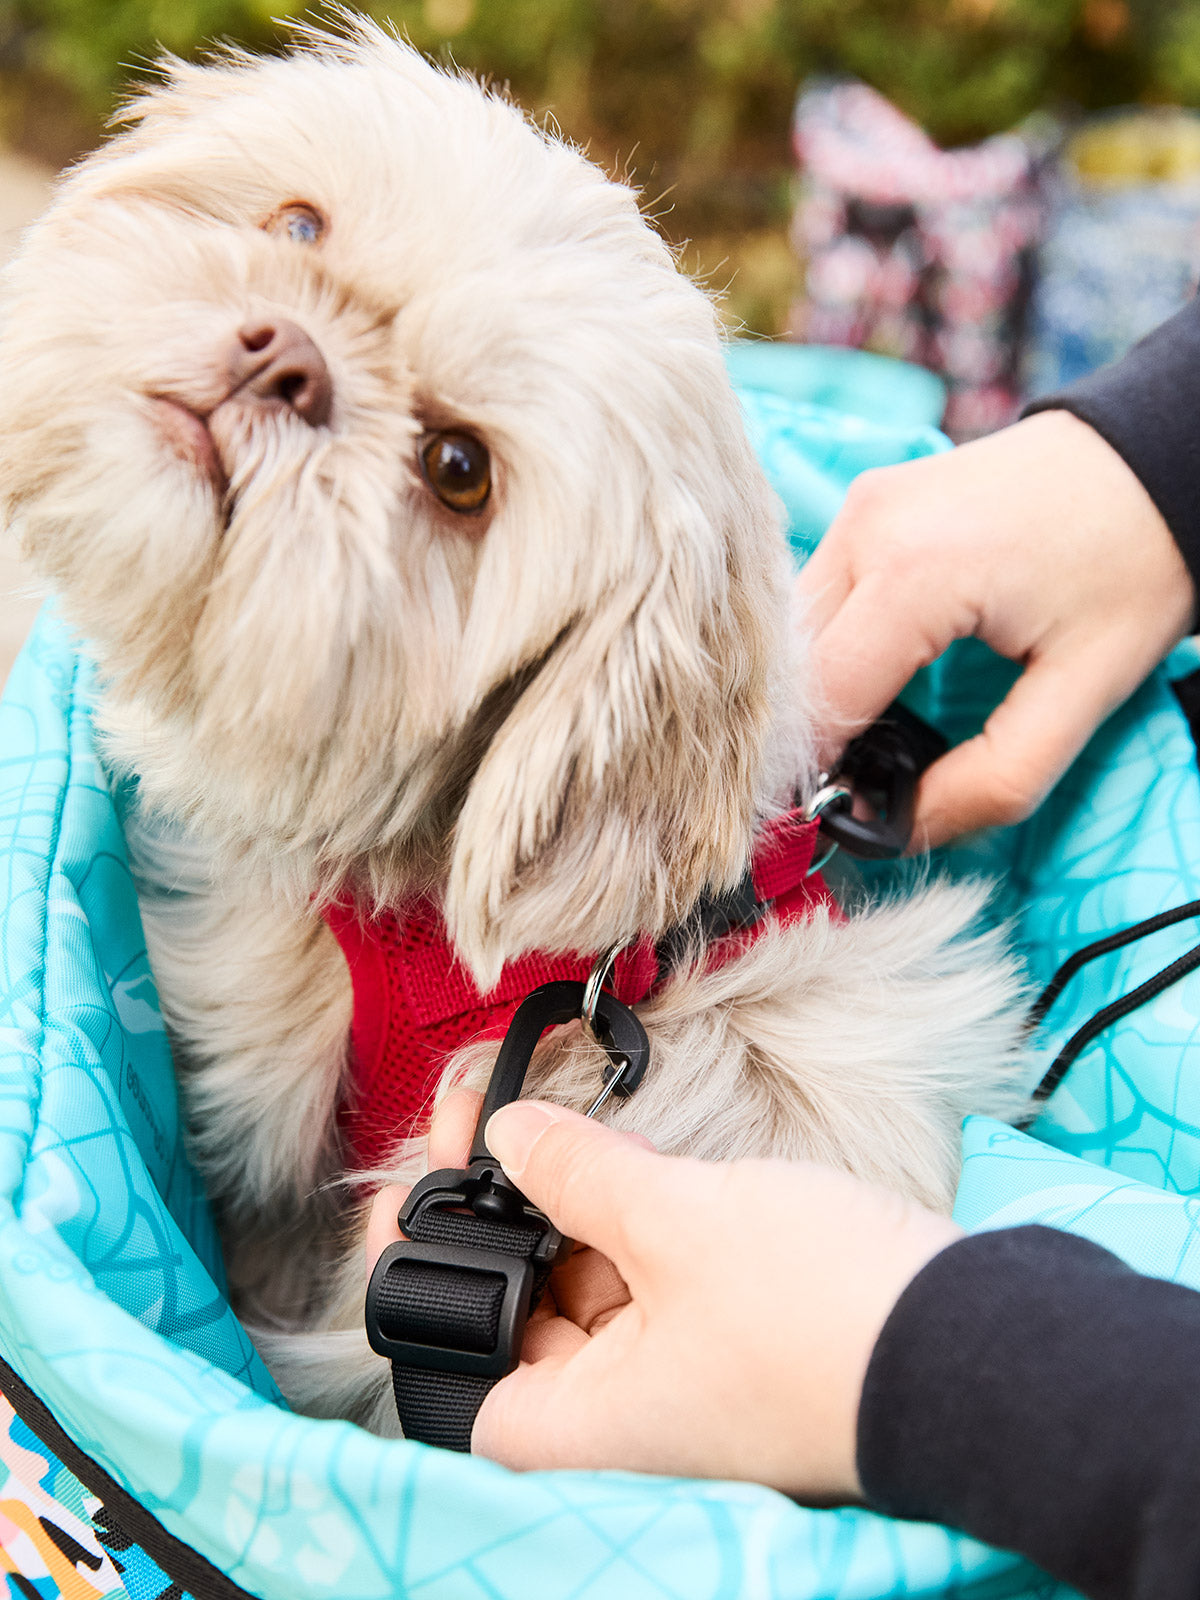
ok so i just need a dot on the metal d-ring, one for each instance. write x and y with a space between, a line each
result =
828 794
612 1086
596 979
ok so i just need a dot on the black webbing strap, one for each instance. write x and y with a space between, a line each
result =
449 1307
711 918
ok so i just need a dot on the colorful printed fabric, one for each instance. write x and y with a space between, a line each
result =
110 1307
916 252
58 1541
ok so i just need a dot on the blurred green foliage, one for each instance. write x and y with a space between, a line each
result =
691 97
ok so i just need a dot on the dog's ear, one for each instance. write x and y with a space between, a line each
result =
623 781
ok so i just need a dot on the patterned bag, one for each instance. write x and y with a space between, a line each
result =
144 1451
916 252
1122 246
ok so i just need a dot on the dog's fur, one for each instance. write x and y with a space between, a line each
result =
565 717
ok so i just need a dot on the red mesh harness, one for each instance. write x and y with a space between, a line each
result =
415 1004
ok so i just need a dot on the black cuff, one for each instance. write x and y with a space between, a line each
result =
1031 1390
1147 406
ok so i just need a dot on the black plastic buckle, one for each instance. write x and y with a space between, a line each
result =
455 1191
883 766
619 1032
514 1308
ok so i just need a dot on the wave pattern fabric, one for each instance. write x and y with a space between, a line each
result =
137 1406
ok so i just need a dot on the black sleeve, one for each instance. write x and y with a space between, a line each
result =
1031 1390
1147 406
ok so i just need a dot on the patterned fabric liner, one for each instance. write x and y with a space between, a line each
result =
111 1308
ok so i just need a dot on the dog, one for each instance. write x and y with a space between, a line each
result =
374 443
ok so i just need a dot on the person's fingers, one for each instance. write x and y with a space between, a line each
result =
552 1338
453 1129
519 1409
450 1136
589 1289
822 583
639 1139
577 1171
1027 743
871 647
382 1227
566 1409
546 1307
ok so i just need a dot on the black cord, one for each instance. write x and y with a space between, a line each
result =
1090 952
1113 1012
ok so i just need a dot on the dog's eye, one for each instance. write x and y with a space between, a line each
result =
458 469
298 222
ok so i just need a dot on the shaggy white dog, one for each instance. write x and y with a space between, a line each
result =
389 466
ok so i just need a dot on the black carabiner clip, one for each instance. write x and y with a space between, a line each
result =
882 767
620 1034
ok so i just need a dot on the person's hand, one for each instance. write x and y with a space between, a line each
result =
1038 540
738 1307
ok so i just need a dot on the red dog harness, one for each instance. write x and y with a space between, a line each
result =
415 1004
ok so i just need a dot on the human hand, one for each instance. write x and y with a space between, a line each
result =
739 1305
1038 540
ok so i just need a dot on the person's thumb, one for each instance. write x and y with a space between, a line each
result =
1003 774
578 1172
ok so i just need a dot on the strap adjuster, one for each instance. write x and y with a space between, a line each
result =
517 1275
448 1304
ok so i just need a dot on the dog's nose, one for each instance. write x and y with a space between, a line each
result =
278 364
